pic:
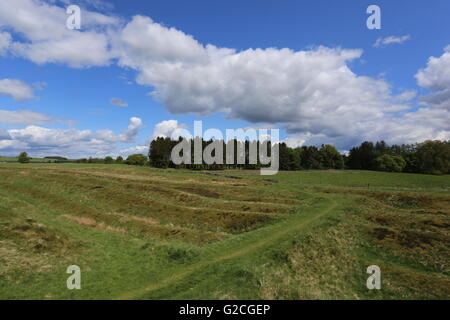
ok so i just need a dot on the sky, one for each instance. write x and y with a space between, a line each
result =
141 69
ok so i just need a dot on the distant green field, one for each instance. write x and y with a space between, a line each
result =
145 233
31 160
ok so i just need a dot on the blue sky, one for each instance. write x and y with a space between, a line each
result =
56 85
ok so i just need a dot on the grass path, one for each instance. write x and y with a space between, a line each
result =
265 239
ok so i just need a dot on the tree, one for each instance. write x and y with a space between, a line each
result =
407 152
331 158
23 157
159 152
289 158
362 157
390 163
136 160
109 160
433 157
119 159
310 158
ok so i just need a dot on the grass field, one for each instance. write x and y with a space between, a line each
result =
143 233
16 159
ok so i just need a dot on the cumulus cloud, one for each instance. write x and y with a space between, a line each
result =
16 89
132 131
412 127
254 85
24 117
47 38
118 102
391 40
42 141
168 128
436 77
312 92
126 136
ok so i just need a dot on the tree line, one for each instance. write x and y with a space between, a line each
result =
430 157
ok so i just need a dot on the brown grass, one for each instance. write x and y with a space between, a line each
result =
146 220
93 224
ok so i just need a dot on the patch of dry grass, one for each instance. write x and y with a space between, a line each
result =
93 224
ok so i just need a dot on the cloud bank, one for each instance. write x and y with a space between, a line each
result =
40 141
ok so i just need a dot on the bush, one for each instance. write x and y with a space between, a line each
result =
119 159
23 158
137 160
390 163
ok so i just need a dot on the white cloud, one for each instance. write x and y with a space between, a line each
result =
314 94
134 150
24 117
162 129
168 128
5 41
425 124
118 102
75 143
132 131
49 41
406 95
391 40
436 77
16 89
127 136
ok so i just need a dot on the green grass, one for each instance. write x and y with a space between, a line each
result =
144 233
